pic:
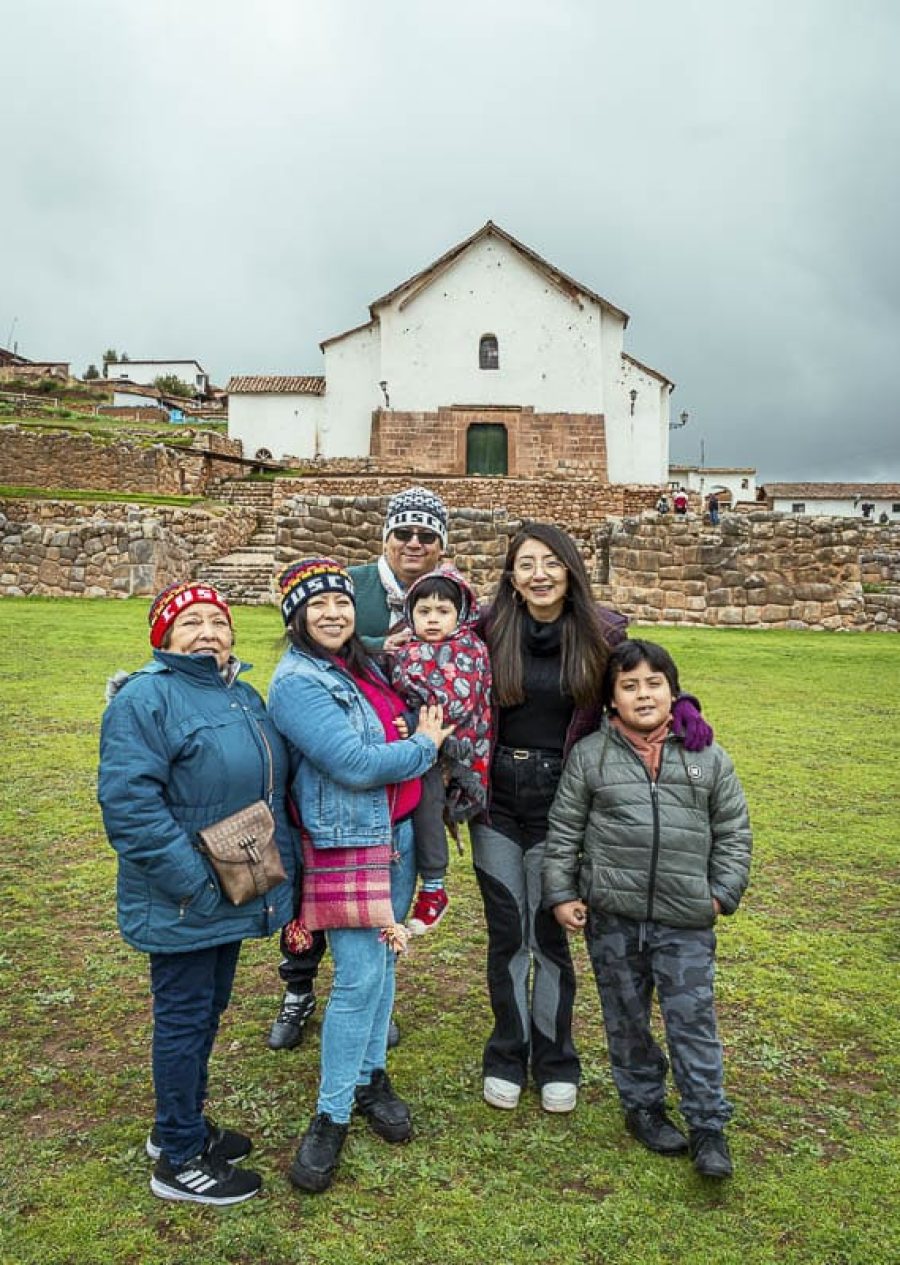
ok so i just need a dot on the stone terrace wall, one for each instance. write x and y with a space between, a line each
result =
755 570
758 570
551 499
349 529
44 459
69 549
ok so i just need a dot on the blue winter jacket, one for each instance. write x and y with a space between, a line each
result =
179 750
345 764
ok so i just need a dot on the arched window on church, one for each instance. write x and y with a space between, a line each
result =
488 352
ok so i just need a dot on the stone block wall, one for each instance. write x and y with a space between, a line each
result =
757 570
69 549
47 459
350 529
537 443
587 502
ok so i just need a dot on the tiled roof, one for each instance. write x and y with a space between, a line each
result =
308 384
832 491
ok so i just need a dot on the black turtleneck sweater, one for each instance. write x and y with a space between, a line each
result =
542 720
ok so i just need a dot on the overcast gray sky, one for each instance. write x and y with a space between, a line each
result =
234 182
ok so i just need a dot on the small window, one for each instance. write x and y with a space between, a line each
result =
745 484
798 507
488 352
895 508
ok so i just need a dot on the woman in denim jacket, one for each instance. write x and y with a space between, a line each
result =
356 785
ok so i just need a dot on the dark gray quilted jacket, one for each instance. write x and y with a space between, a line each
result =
641 850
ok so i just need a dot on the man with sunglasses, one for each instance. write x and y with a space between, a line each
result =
415 537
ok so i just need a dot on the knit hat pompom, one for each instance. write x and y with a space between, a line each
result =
169 604
417 507
309 577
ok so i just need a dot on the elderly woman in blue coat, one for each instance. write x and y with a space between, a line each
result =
356 786
185 743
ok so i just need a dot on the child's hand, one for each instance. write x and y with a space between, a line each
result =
431 724
401 726
571 914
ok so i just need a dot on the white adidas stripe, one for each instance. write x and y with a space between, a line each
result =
197 1180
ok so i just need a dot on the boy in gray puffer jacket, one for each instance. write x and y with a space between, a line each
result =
648 844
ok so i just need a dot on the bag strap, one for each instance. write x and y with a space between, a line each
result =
270 778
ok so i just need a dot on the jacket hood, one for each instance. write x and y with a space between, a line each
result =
200 665
468 613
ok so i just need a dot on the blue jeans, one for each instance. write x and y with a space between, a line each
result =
190 992
355 1028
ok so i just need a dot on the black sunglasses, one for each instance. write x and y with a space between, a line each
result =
405 535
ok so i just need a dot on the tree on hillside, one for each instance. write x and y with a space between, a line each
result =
91 372
111 357
171 384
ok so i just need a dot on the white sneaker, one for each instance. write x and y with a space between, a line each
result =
501 1093
559 1096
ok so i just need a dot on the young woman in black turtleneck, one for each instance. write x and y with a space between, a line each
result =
548 643
548 652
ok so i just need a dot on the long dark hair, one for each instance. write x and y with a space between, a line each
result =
583 648
353 658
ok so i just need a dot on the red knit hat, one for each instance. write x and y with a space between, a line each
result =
169 604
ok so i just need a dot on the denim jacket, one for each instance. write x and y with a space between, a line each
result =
345 763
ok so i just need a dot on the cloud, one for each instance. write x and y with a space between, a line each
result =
237 182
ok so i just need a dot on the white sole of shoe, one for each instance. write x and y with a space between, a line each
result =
504 1095
560 1100
417 928
176 1195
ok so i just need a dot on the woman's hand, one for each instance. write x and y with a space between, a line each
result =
571 914
431 724
401 726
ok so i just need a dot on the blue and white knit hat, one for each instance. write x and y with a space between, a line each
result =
417 507
308 577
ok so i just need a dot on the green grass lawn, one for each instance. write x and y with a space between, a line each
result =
807 990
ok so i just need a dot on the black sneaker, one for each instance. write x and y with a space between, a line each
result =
387 1114
709 1151
654 1130
287 1030
206 1179
318 1154
227 1144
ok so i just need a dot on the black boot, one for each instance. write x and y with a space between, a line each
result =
318 1154
654 1130
388 1115
709 1151
287 1029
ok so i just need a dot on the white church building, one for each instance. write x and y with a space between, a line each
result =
489 361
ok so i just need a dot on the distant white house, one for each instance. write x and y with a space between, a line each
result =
840 500
145 372
489 360
730 483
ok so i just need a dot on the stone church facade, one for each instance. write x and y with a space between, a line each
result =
488 361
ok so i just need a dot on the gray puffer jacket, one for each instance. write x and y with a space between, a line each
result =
646 850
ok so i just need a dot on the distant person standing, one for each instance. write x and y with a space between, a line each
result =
662 505
712 504
680 501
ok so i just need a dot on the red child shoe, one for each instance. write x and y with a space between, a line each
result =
428 911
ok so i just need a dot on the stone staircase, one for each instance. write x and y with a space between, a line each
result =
246 576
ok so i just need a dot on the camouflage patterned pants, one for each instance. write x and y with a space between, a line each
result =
630 959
